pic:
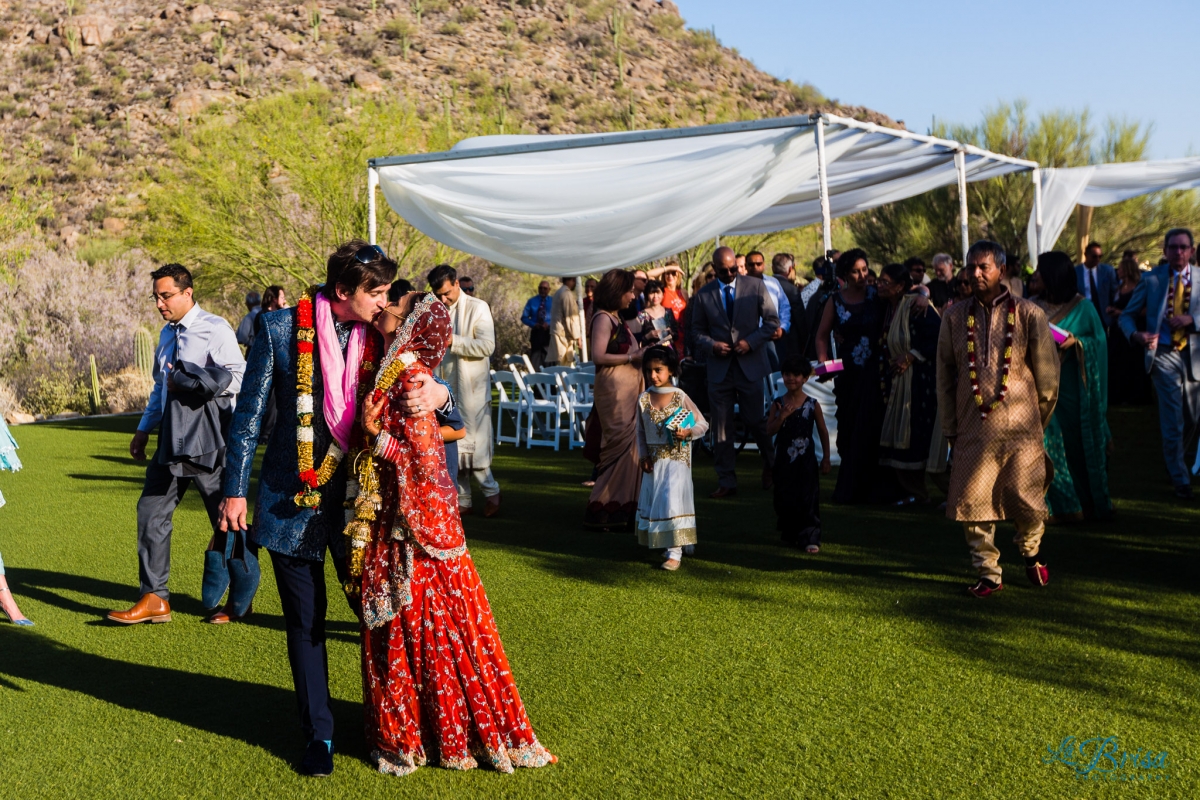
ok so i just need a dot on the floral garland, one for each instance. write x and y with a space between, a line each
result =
306 337
1010 323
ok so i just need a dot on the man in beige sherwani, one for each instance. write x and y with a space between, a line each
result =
998 467
466 368
566 325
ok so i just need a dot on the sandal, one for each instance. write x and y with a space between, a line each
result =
812 549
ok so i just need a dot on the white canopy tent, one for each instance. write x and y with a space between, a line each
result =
583 204
1101 185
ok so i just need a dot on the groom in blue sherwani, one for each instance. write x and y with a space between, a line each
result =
355 292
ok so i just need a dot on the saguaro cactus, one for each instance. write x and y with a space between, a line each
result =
143 353
95 398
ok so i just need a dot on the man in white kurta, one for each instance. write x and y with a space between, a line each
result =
466 368
566 325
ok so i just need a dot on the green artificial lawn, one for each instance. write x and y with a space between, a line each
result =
754 671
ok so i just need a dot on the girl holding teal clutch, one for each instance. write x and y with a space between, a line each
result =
667 423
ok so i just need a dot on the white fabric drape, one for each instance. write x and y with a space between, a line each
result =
1103 185
574 212
630 200
875 170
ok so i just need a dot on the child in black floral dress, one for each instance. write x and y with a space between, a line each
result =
791 420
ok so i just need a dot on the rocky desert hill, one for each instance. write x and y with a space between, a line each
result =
92 85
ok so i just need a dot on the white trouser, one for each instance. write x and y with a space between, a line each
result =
486 481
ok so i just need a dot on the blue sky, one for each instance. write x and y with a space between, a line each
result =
912 60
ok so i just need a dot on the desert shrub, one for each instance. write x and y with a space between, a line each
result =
468 14
451 28
125 391
39 58
398 28
55 393
669 26
8 400
538 30
56 310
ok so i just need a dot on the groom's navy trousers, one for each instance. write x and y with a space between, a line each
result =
302 593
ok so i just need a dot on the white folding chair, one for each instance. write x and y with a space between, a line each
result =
545 404
557 370
578 388
777 387
519 364
511 400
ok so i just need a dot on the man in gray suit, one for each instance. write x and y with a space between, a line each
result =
1170 295
733 319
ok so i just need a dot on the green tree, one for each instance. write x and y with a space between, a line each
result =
261 199
999 208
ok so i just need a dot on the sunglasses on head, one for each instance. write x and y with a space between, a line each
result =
369 253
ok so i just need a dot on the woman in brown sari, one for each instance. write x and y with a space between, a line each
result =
613 502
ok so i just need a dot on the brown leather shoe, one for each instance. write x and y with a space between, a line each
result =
225 616
724 491
151 608
465 511
491 506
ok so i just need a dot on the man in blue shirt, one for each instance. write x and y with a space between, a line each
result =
756 267
206 340
537 316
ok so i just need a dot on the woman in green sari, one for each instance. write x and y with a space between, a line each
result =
1077 437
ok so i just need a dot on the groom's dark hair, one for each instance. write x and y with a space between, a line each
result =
357 265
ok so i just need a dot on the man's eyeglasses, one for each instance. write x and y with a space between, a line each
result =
1179 247
369 253
164 296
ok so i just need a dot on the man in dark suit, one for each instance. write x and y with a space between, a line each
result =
734 318
1097 282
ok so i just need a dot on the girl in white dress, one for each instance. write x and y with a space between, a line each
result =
668 421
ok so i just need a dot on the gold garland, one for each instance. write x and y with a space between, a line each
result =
362 490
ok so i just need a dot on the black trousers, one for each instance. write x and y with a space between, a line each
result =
302 593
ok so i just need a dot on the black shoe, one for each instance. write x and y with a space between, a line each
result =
1183 491
318 760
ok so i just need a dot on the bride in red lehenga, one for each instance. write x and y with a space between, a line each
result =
437 687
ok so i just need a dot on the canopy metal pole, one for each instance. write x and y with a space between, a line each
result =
579 295
960 164
372 184
823 188
1037 213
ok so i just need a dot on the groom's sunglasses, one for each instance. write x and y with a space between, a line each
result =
369 253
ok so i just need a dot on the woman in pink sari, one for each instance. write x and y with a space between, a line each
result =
437 686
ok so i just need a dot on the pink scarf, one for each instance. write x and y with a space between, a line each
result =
341 384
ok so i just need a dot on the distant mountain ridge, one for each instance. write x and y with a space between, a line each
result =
89 93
